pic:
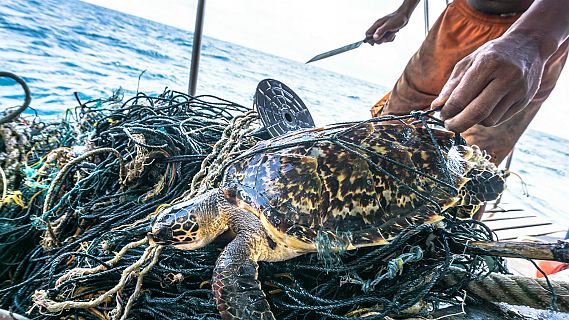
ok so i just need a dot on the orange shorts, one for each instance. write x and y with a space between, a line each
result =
459 31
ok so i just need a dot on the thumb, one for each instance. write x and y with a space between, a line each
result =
452 83
379 32
439 101
445 95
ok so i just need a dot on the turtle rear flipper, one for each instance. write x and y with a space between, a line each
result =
236 288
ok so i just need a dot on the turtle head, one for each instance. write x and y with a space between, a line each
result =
189 224
481 180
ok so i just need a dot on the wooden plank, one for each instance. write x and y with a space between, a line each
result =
516 223
510 234
492 216
553 237
503 207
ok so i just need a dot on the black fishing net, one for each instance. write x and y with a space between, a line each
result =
80 193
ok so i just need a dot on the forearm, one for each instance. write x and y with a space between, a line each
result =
408 6
546 23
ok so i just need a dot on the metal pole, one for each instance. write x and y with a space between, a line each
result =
196 47
427 25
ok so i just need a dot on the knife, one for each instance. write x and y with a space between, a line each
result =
334 52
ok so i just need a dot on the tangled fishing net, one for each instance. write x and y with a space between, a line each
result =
79 194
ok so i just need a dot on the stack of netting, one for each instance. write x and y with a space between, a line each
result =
80 194
80 188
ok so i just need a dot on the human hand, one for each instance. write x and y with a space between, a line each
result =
491 84
384 29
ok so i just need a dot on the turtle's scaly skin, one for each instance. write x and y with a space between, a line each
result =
348 185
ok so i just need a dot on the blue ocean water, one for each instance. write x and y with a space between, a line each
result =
63 46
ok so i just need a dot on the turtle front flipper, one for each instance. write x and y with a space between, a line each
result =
236 288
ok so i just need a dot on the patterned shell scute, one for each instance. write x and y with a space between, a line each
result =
365 179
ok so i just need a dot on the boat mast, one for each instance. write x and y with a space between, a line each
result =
196 47
426 15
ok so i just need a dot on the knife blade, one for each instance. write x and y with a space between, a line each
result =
334 52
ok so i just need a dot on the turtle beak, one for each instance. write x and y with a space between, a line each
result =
161 232
160 236
151 239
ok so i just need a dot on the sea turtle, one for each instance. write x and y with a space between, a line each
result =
365 182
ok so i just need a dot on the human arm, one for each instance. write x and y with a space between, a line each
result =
384 29
500 78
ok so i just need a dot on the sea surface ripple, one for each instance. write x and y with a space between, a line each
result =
65 46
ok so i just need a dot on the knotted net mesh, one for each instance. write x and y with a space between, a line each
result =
80 193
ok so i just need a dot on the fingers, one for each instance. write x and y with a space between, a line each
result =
465 104
389 36
498 114
488 87
374 27
515 108
380 32
480 108
451 84
459 89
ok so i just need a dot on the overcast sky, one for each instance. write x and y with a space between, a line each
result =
300 29
296 29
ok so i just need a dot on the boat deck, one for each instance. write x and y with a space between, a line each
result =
513 223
